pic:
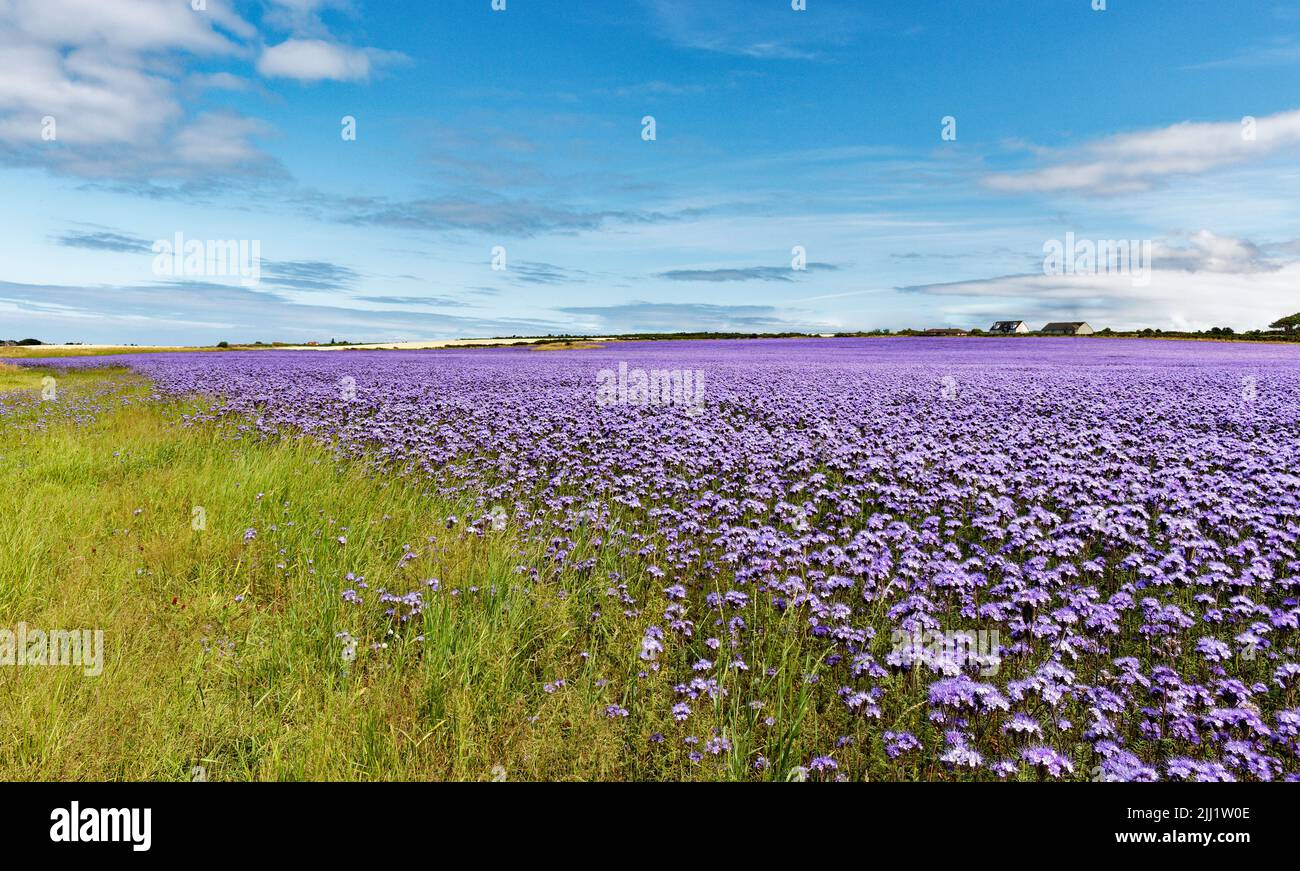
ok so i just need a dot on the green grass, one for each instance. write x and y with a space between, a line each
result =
96 531
19 378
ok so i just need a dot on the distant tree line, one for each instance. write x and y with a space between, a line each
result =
1283 329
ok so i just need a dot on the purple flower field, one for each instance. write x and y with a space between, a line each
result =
976 558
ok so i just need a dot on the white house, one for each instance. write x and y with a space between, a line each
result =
1009 327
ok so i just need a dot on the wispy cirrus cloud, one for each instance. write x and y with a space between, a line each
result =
1130 162
533 272
484 212
738 27
308 275
642 316
426 301
104 240
746 273
305 16
304 275
287 274
201 312
1281 51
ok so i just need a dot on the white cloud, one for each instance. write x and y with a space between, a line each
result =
302 17
311 54
125 25
1138 161
314 60
111 75
93 97
107 73
1206 252
1211 281
219 139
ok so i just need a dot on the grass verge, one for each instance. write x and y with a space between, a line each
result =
213 563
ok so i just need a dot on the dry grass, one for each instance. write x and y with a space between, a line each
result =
28 352
567 346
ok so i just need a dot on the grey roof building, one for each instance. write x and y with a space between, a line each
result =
1067 328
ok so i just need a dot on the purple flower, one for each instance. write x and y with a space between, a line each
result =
1023 725
899 743
1203 772
1213 650
1047 761
963 694
823 764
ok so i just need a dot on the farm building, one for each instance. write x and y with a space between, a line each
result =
1067 328
944 332
1009 327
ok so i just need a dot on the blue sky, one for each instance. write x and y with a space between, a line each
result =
522 130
